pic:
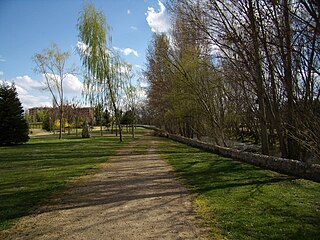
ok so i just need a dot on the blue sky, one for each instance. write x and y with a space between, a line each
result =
29 26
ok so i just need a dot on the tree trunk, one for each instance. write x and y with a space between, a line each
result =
272 103
132 129
259 81
77 123
120 133
288 78
60 120
133 123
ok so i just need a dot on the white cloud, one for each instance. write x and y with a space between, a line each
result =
82 47
133 28
21 90
30 101
127 51
72 84
25 87
159 22
2 59
28 83
31 92
128 11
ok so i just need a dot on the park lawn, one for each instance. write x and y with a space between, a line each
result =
240 201
32 172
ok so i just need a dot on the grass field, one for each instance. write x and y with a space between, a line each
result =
31 172
240 201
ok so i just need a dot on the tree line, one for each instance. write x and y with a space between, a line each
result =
75 117
242 69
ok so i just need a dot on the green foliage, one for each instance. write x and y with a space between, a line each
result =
13 125
102 116
40 116
103 67
93 29
47 123
127 118
246 202
106 72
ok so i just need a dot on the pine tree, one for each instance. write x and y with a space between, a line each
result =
13 125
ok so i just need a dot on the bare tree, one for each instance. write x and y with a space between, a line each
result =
51 64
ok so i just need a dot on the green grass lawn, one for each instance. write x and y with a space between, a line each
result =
31 172
240 201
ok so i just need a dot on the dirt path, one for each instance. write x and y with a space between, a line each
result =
134 196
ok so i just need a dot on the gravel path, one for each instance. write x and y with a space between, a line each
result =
134 196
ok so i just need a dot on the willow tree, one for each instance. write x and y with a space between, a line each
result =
97 57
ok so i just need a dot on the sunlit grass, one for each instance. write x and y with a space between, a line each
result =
30 173
246 202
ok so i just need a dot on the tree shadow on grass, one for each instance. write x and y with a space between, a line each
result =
31 172
252 203
146 186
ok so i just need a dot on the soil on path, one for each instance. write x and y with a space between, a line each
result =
134 196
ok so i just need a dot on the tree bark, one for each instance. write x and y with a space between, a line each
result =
288 79
259 80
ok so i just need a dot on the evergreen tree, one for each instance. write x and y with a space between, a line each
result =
13 125
127 118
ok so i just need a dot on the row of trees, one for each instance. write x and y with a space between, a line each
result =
231 69
75 117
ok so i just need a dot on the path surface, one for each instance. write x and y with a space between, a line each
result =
134 196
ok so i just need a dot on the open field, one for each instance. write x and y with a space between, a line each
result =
30 173
240 201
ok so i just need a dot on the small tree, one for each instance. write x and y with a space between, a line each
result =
46 121
13 125
51 64
131 94
85 130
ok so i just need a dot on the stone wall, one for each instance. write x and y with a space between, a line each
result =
286 166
